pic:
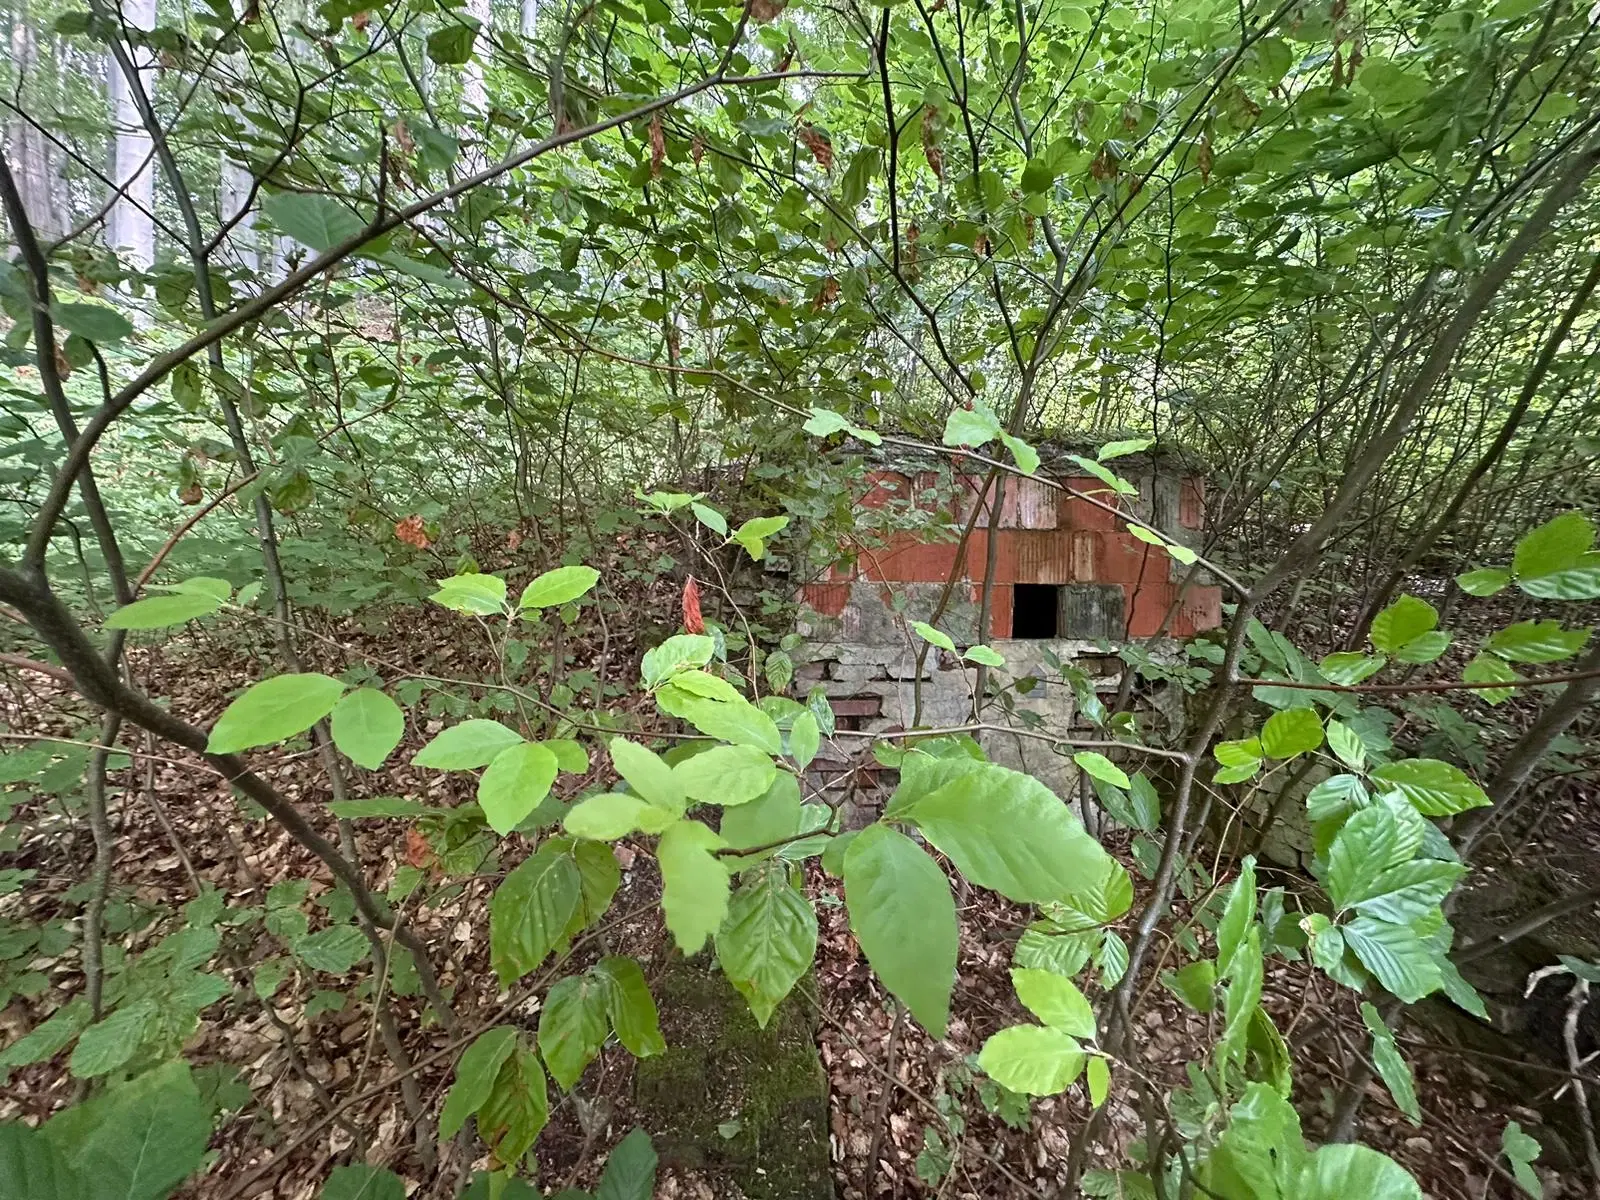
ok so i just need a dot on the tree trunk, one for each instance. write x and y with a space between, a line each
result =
27 148
131 229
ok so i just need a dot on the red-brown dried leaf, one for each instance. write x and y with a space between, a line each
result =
693 622
658 146
817 142
762 11
697 149
930 141
410 532
827 295
360 20
514 539
418 853
191 493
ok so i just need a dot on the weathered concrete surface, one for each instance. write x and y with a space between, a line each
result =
745 1105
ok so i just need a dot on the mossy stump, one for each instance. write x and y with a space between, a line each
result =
745 1105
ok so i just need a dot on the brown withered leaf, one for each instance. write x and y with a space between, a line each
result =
762 11
658 146
828 294
817 142
410 532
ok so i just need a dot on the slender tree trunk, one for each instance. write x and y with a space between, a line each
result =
27 148
131 229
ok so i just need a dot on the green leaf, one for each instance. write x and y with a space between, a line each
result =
467 746
973 426
1118 449
1349 669
1537 642
1194 984
1407 618
314 220
160 612
1392 1069
1345 743
30 1167
1032 1059
1553 547
452 45
273 710
694 883
612 815
1434 788
475 1076
1238 914
1424 648
1097 1074
768 940
647 775
1008 832
517 1107
1144 802
904 916
367 726
531 910
92 322
1396 955
1055 1000
1102 768
479 595
710 518
1344 1171
984 655
138 1139
933 636
630 1172
1027 457
1580 580
1335 797
679 652
773 816
1291 732
334 950
824 422
804 740
571 757
753 534
738 722
726 775
107 1044
1489 668
514 784
362 1182
1520 1151
560 586
572 1027
630 1007
1110 478
1242 997
1485 581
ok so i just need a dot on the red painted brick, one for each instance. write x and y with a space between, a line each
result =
1147 607
1083 565
1080 514
913 563
1192 503
1005 562
856 706
1003 602
1044 556
828 599
968 490
1124 559
884 486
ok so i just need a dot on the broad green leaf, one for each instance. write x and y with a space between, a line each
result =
681 651
1537 642
738 722
1027 457
984 655
630 1007
1395 955
1238 753
612 815
1032 1059
1520 1151
1485 581
1554 546
1291 732
1119 449
630 1172
768 940
92 322
366 726
314 220
1348 669
1101 767
531 911
694 883
653 781
1580 580
517 1108
475 1076
1490 668
451 46
904 916
1145 803
335 950
160 612
1407 892
1097 1074
479 595
1055 1000
1424 648
362 1182
107 1044
571 757
560 586
1336 796
1392 1069
467 746
1194 984
1344 1171
1407 618
1238 914
1344 742
1106 476
514 784
1434 788
726 775
273 710
1242 997
137 1139
804 740
710 518
933 636
599 877
763 821
1007 832
973 426
753 534
30 1167
824 422
572 1027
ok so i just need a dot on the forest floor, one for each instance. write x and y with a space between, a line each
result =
888 1087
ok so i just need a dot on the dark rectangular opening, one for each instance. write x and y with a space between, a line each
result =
1035 611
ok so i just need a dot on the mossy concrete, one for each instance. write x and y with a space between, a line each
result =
745 1105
